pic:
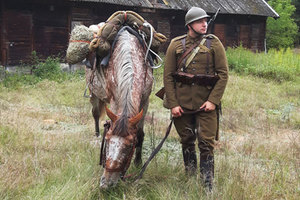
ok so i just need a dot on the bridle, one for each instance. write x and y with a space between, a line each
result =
123 168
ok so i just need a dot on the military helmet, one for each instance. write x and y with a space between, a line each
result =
195 13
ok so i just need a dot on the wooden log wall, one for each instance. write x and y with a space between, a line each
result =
44 26
31 27
248 31
17 36
50 29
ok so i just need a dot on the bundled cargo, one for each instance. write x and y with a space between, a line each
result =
107 33
99 37
79 44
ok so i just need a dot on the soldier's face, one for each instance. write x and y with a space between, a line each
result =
200 25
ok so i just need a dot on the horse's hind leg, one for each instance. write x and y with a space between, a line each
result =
97 111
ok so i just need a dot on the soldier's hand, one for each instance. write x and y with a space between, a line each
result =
177 111
208 106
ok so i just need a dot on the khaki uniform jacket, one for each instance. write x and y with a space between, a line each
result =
193 96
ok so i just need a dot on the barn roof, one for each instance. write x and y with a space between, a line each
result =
241 7
141 3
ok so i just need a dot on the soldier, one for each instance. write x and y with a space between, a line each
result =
196 81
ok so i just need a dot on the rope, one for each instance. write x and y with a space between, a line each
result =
156 150
147 25
82 41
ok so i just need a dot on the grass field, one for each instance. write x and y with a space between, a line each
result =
48 150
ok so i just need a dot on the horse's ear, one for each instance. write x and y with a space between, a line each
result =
111 115
134 120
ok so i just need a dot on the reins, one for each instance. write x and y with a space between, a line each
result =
153 154
156 150
106 128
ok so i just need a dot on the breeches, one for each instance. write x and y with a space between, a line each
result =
201 126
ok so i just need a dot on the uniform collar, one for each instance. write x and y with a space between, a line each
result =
193 40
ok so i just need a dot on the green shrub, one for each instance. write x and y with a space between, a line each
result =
280 65
2 73
17 80
50 69
40 70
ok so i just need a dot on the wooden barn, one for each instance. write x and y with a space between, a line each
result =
44 26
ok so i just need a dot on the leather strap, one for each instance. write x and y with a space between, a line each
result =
183 42
208 44
195 51
186 53
156 150
102 152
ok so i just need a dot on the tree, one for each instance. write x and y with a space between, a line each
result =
296 16
281 33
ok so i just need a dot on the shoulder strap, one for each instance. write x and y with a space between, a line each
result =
208 44
195 51
186 53
183 41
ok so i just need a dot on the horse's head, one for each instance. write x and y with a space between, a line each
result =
120 145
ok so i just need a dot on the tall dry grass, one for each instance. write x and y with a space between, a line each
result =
48 150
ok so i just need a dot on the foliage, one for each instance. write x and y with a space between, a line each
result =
40 70
2 73
50 69
18 80
282 32
296 16
280 65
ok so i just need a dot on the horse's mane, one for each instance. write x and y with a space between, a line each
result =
125 74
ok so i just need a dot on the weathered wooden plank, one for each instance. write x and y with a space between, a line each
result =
18 39
51 21
220 32
244 36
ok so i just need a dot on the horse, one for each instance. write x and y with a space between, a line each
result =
127 83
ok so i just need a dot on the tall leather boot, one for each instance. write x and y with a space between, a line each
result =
190 160
207 170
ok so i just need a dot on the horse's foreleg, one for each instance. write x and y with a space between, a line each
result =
97 111
138 147
140 136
